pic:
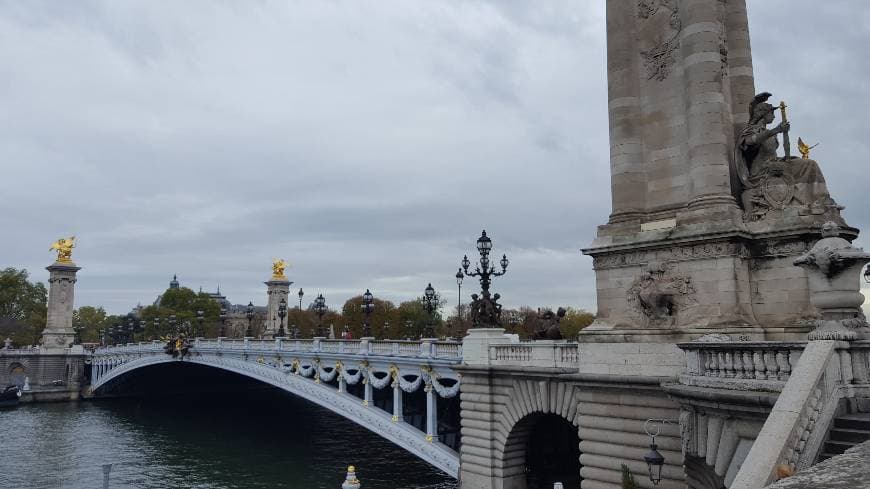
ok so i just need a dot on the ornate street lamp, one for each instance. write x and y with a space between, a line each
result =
655 460
282 313
172 323
320 309
200 317
459 278
300 294
408 326
249 313
430 303
368 305
485 310
223 318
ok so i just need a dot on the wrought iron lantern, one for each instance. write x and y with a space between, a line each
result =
249 313
223 318
320 309
867 274
485 310
282 313
430 303
368 306
655 460
300 294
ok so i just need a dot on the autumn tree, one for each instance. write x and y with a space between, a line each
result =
22 307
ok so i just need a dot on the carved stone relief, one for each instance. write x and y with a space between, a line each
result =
660 294
659 59
675 253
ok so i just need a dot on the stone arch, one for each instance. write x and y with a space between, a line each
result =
375 420
17 374
531 400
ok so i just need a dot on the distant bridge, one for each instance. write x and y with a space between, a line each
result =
319 371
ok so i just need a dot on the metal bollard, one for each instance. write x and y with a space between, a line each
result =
351 482
107 469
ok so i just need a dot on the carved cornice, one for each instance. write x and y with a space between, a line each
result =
674 253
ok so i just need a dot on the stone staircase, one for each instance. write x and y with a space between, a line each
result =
848 430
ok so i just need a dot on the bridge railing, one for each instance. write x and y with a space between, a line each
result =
535 354
766 365
446 350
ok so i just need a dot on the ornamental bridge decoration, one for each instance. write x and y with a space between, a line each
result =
307 367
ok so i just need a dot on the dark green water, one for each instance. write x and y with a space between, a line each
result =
268 441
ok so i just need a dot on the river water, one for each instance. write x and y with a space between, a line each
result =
268 441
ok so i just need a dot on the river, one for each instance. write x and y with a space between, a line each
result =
265 440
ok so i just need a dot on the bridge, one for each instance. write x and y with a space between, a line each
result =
321 371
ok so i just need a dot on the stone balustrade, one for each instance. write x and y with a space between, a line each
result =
765 366
445 350
535 354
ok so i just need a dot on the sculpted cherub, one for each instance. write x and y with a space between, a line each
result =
64 247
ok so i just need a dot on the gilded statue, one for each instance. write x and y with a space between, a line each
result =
64 247
771 182
278 266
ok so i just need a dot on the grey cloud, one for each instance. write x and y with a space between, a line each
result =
366 142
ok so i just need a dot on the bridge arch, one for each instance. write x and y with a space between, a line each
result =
538 411
115 368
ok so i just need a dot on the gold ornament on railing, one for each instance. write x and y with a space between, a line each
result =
64 247
278 266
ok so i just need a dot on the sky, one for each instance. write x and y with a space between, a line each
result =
368 142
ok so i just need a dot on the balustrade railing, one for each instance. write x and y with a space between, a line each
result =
738 364
446 350
535 354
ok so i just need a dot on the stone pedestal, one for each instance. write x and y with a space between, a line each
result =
59 333
275 291
678 258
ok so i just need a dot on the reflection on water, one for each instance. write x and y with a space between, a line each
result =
263 440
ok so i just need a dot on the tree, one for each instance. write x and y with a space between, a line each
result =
91 320
574 321
353 316
22 307
183 303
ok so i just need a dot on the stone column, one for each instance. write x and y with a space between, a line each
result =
58 331
627 178
275 291
708 112
431 413
397 403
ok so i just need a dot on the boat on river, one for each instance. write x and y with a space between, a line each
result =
9 397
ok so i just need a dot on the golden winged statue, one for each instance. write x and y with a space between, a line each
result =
805 149
278 266
64 247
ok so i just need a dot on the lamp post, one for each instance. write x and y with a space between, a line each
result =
430 303
368 305
408 331
459 278
141 329
300 294
867 274
200 318
320 309
486 309
655 460
172 323
282 313
223 318
249 313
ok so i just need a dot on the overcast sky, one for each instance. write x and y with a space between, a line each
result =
367 142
